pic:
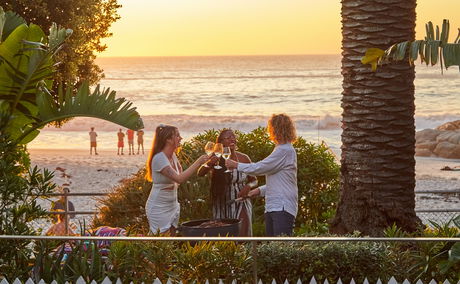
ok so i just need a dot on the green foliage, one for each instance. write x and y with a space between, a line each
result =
90 20
426 260
26 72
125 206
433 49
318 181
438 259
84 260
26 104
20 188
212 260
328 260
140 261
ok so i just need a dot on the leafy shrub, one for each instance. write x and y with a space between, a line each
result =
84 260
318 182
428 260
125 206
140 261
144 261
20 188
328 260
213 261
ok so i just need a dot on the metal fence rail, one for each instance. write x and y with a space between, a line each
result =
444 215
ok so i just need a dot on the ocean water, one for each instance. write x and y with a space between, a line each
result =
199 93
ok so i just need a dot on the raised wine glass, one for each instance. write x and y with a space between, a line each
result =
226 155
209 149
218 151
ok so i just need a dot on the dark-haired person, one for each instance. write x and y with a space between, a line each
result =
164 170
280 170
227 186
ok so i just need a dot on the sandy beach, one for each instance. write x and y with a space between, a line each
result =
101 173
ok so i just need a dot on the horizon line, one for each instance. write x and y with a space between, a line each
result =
223 55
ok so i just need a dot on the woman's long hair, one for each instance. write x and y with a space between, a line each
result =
162 134
281 129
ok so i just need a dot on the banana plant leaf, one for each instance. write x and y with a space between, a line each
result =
433 50
9 21
99 103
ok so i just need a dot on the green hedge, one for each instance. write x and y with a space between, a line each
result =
144 261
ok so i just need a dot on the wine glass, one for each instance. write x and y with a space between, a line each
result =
218 150
226 155
209 149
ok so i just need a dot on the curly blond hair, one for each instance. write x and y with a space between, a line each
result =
281 129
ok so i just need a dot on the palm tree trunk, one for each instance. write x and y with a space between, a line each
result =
378 138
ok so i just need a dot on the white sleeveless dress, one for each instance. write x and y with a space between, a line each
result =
162 208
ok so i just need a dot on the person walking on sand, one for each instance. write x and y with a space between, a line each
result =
280 170
164 170
121 141
130 134
140 141
92 141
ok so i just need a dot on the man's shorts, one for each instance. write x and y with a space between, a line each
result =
93 144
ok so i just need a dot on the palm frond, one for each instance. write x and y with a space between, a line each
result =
100 103
432 50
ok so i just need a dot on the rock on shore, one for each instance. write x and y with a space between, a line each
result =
444 141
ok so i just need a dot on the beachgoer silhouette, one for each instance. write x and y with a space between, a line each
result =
140 140
60 203
92 141
130 134
121 142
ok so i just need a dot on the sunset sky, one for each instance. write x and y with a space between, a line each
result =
243 27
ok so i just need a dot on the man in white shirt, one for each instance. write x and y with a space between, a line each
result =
92 141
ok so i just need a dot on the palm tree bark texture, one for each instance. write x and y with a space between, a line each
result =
378 127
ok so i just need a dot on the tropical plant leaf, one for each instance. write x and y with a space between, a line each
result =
11 22
454 253
432 50
456 221
435 52
414 50
445 32
2 22
451 54
57 36
99 104
372 57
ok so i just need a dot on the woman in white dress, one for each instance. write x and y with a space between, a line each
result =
164 170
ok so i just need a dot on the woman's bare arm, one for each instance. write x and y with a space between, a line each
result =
185 175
